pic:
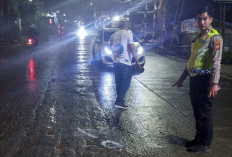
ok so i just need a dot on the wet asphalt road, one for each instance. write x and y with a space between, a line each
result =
56 102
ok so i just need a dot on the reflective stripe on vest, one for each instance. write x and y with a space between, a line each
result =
200 58
200 71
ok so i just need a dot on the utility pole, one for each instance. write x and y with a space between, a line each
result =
222 17
154 16
145 16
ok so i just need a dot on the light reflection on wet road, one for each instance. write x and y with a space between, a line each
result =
31 76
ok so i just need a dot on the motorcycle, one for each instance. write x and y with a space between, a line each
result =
60 33
31 43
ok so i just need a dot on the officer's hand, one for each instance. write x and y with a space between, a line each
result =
213 90
178 83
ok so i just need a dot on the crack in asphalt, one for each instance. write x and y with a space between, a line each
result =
159 96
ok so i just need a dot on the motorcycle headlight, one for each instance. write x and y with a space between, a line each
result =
108 51
140 50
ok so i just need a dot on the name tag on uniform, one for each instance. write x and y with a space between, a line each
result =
203 39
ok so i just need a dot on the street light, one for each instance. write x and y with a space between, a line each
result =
30 0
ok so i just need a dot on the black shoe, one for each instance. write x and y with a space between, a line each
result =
198 148
191 143
121 106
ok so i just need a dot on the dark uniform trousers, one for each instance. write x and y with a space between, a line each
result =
202 108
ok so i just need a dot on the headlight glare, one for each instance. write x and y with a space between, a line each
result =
108 51
82 32
140 50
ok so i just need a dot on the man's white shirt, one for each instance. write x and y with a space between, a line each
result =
123 37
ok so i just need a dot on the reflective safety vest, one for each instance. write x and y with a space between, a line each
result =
200 61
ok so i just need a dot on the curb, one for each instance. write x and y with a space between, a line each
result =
226 69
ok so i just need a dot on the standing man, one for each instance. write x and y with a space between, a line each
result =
204 70
120 41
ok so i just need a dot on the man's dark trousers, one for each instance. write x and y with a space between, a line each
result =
202 107
123 75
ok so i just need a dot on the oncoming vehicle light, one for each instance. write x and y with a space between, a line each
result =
140 50
108 51
82 32
116 18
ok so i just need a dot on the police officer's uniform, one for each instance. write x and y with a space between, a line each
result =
204 69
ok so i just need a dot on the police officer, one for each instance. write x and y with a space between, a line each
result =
204 70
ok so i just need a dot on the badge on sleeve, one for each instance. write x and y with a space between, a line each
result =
217 44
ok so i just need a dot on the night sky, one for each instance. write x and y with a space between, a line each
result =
81 8
74 8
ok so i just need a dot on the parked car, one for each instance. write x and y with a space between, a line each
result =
103 54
